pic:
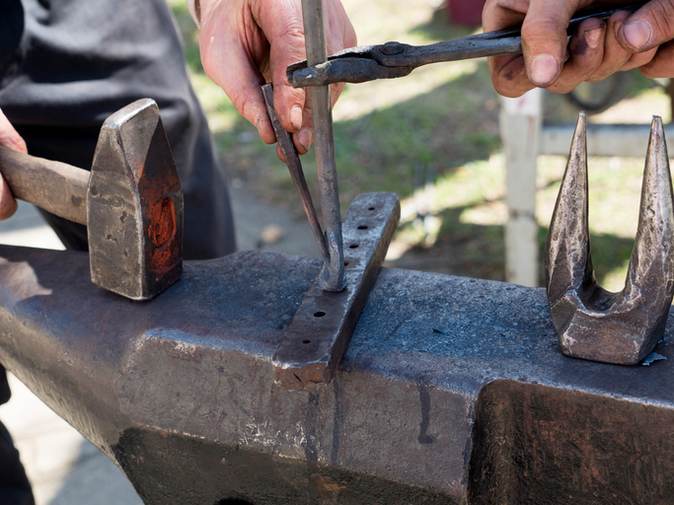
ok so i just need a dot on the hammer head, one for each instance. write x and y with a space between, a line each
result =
134 205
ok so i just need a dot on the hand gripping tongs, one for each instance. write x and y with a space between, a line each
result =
395 59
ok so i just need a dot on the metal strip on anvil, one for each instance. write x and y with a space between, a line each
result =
318 335
452 390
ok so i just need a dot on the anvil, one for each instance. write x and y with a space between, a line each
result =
452 390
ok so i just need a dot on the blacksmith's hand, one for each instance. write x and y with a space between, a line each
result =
245 43
10 139
598 49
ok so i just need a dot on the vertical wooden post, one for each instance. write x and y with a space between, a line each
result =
521 123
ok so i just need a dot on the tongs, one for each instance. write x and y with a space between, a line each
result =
395 59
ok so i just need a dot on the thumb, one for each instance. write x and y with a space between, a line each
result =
649 27
11 139
545 39
7 202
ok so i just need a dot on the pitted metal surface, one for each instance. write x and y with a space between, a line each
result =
135 205
318 335
452 390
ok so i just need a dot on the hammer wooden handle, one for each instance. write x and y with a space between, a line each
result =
56 187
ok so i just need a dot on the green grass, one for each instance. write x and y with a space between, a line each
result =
433 139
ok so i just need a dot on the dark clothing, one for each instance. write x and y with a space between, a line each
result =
66 65
4 387
14 485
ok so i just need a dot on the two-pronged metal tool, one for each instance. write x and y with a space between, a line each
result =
592 323
393 59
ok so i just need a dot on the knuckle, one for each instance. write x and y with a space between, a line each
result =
497 14
650 71
563 88
208 65
599 75
637 62
662 17
542 29
512 5
292 31
507 89
243 103
350 38
11 140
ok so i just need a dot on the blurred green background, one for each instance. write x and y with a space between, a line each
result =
433 139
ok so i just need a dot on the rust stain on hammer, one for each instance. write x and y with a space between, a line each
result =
161 231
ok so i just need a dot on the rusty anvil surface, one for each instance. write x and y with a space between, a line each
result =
453 390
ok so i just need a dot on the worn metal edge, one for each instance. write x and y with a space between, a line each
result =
319 333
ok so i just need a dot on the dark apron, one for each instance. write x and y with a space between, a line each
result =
65 65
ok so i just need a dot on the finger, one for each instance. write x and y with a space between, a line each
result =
638 60
230 67
615 55
281 155
7 202
650 26
662 65
544 38
500 14
281 23
586 53
9 137
508 73
339 28
509 76
305 137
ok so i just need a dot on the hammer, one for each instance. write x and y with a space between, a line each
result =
131 201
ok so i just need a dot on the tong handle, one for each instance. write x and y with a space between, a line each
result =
509 41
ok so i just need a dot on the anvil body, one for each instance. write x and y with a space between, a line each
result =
453 390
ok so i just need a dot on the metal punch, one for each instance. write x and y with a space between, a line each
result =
318 335
394 59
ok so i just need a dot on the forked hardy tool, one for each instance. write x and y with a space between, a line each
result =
592 323
395 59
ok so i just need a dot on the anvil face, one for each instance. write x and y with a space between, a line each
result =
452 390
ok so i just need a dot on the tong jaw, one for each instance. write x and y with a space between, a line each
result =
592 323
